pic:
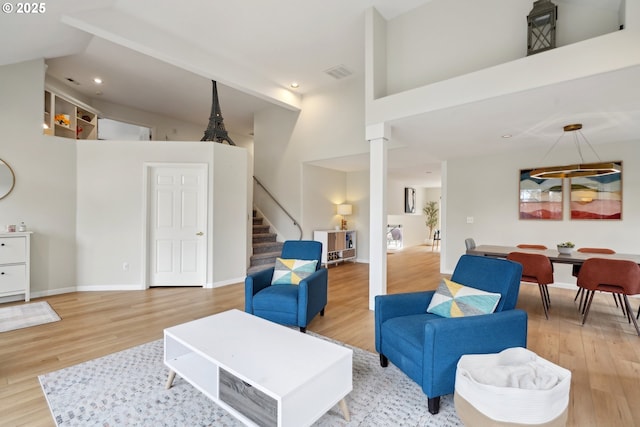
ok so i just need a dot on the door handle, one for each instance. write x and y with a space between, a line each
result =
199 233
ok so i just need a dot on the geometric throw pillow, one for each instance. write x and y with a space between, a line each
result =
292 271
452 299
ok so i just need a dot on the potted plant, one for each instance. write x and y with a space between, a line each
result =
431 212
566 247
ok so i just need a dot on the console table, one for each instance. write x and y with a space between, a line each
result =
337 245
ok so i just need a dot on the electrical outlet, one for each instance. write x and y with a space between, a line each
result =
125 266
469 220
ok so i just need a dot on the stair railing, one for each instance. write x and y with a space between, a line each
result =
282 208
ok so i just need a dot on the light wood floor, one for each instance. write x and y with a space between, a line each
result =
604 355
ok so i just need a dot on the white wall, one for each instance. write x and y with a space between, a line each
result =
616 50
111 214
115 129
487 190
358 194
44 196
83 202
414 229
323 190
163 128
331 124
231 214
424 46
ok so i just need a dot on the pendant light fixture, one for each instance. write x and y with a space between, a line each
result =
576 170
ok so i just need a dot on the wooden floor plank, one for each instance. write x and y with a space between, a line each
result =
603 355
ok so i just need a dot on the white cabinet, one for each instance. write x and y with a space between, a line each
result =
337 245
15 264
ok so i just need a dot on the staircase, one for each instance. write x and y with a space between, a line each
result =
265 247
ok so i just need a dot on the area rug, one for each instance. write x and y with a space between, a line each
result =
127 388
25 315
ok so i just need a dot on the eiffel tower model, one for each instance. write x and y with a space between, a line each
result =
215 130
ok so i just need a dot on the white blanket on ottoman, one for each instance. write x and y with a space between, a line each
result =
515 385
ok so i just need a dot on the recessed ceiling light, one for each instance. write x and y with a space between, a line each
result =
97 80
295 85
507 135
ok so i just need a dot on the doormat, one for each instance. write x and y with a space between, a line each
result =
26 315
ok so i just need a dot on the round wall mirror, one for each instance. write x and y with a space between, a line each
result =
7 179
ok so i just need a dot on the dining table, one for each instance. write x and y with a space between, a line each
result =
574 258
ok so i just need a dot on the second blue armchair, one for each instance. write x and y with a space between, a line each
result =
287 303
427 347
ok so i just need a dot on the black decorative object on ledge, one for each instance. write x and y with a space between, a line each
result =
215 130
541 31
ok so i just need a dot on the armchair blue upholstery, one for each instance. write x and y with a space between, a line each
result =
294 305
427 347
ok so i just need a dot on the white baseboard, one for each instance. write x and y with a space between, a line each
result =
38 294
48 293
225 283
98 288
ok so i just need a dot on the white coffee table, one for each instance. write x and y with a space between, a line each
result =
263 373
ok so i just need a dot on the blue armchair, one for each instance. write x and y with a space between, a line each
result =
289 304
427 347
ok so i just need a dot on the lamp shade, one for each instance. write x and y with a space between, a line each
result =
345 209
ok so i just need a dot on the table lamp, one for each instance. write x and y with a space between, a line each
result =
344 210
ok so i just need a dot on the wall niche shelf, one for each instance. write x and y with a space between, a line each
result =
68 118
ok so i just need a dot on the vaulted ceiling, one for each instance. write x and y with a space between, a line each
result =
288 41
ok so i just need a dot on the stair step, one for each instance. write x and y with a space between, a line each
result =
260 229
265 247
264 237
264 258
257 268
266 255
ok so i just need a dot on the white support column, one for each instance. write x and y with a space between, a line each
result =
378 137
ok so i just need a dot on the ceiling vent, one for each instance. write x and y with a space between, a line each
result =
339 72
72 81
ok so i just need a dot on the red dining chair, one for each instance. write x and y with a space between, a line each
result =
528 246
536 268
576 271
617 276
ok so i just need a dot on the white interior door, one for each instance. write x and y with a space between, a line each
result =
177 225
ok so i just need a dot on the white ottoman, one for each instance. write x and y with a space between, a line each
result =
515 387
